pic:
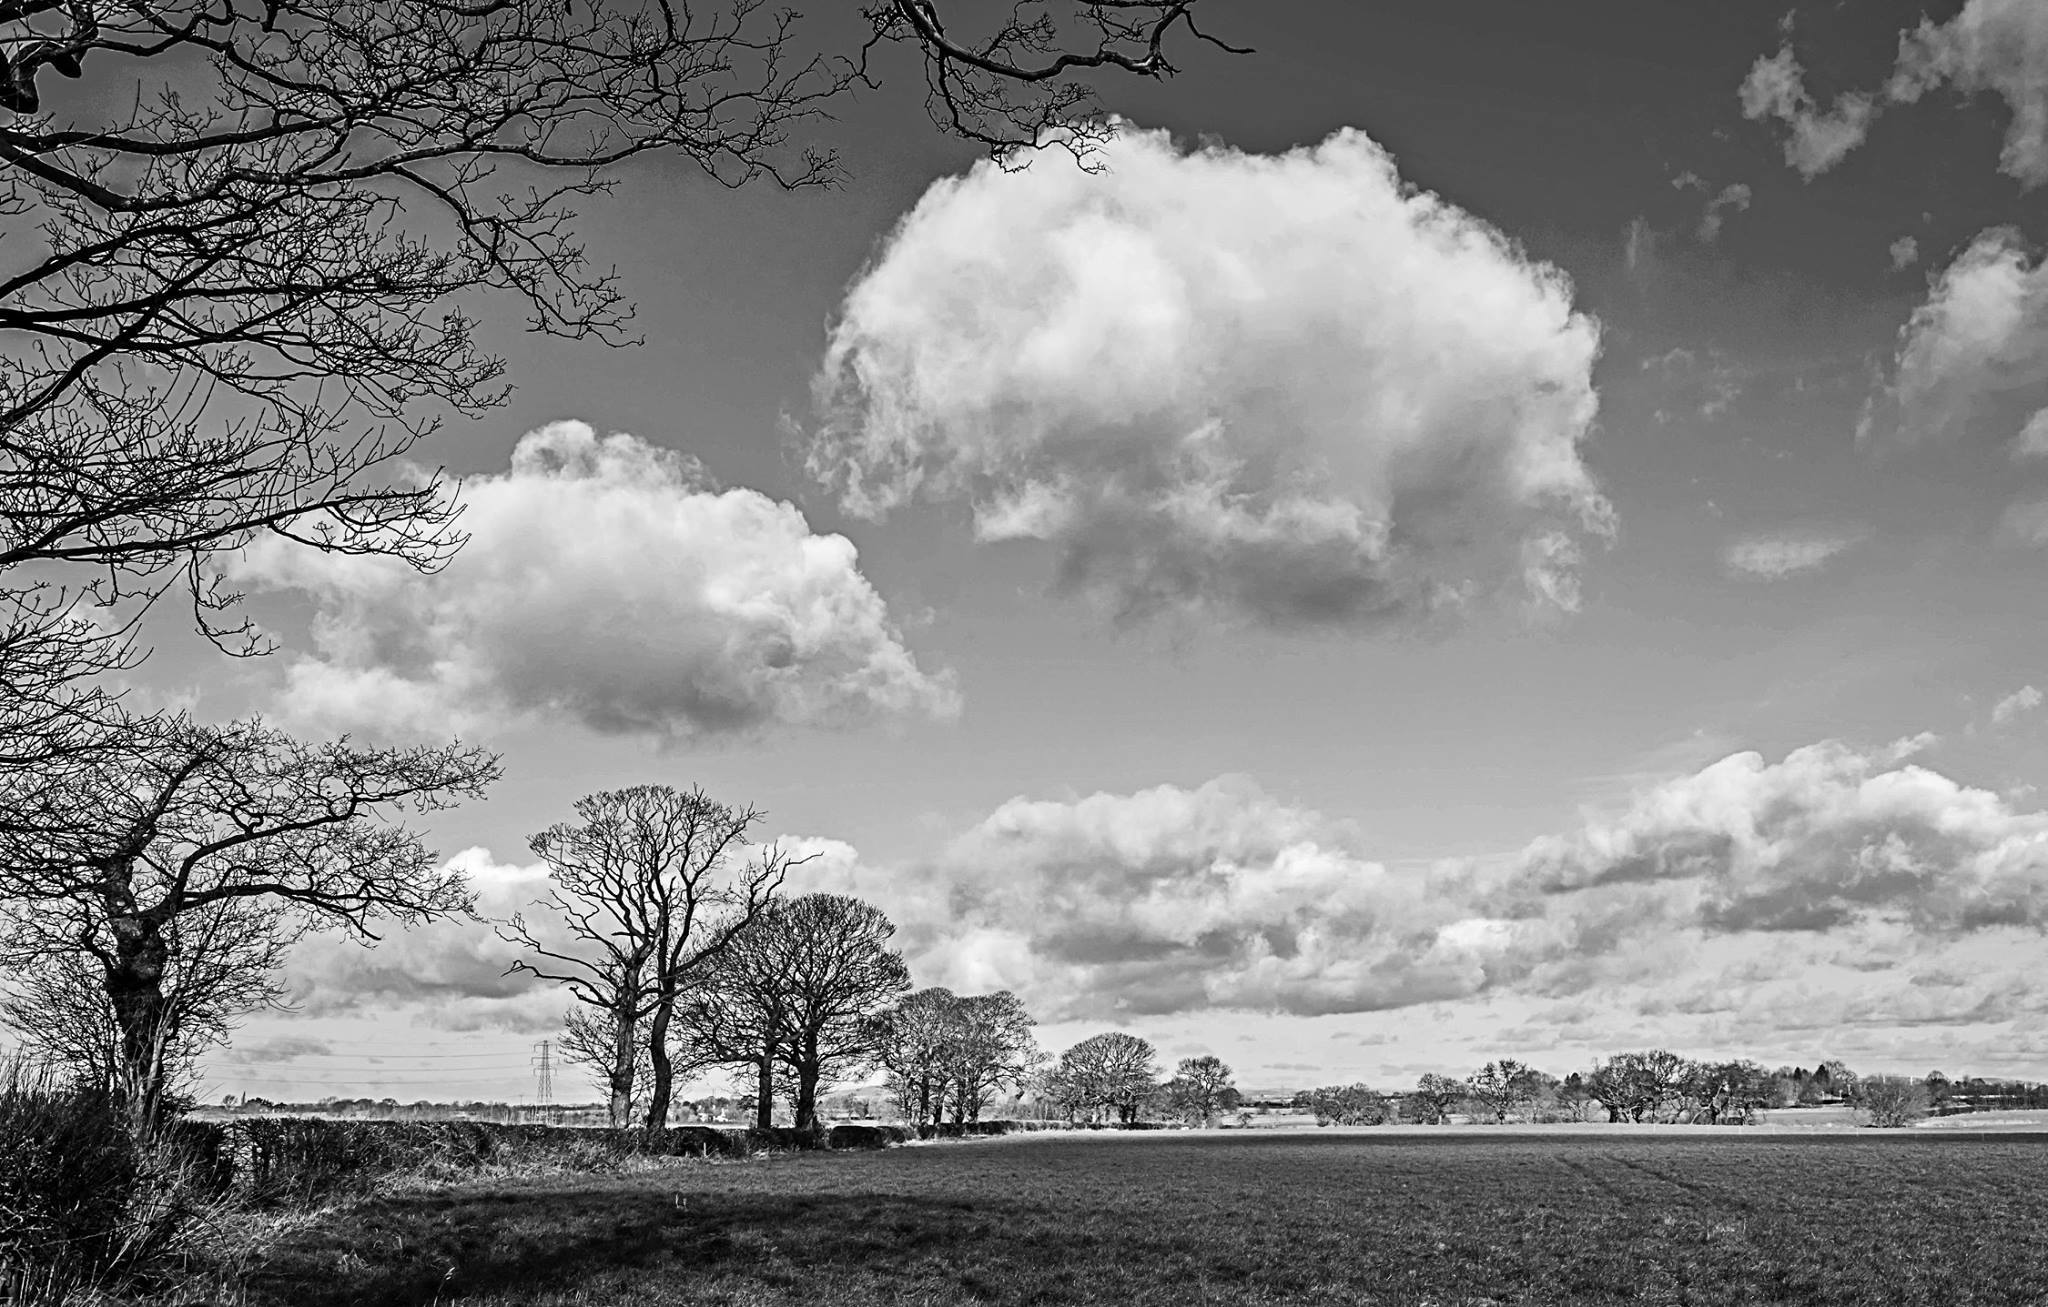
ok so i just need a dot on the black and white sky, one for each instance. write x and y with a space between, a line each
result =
1483 529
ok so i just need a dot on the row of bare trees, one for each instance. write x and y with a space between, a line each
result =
251 238
1642 1086
1115 1076
664 924
946 1052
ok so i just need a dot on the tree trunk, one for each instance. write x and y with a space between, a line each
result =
924 1101
764 1101
807 1095
625 1054
135 992
659 1092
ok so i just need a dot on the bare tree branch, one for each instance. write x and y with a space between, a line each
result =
646 896
195 851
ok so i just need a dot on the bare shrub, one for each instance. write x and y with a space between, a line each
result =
1893 1101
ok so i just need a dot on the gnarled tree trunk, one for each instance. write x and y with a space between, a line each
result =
662 1089
625 1054
135 991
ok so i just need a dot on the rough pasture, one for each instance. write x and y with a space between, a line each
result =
1461 1218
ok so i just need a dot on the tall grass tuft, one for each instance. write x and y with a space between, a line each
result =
84 1209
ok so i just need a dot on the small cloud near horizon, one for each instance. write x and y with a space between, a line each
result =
1775 557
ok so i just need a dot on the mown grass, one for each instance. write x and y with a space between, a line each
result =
1462 1219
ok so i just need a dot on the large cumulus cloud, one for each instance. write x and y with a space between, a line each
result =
1828 837
1978 346
606 582
1174 899
1288 389
1852 893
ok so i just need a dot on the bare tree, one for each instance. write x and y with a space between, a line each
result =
1641 1084
590 1040
913 1040
1433 1097
1893 1101
1200 1088
736 1018
1347 1105
648 896
1503 1088
799 989
184 818
989 1049
1728 1092
222 963
1114 1071
1013 84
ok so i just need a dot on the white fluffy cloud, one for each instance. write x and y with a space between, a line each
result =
1995 46
1836 887
1816 139
1288 389
1982 336
1773 557
450 973
2020 702
1827 837
1172 899
1999 46
606 583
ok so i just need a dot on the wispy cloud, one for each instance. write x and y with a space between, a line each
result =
1732 198
1994 46
2019 702
1777 556
1706 382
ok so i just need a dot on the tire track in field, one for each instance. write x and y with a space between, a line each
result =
1601 1177
1711 1196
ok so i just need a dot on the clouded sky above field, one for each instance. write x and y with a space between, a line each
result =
1485 529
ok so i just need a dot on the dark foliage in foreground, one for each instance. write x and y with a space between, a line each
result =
67 1167
84 1206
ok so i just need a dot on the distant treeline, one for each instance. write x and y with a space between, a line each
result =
1657 1085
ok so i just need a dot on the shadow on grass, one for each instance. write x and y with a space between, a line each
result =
534 1243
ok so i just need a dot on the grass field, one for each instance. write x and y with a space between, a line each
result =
1468 1217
